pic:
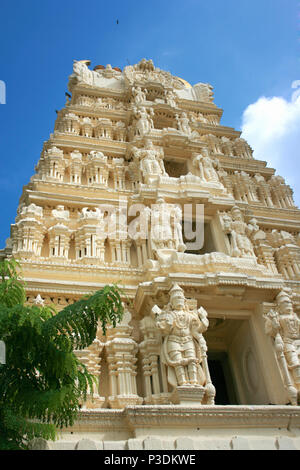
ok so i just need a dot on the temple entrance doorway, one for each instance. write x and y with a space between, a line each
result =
235 363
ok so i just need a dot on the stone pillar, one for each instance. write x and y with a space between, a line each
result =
120 249
91 359
156 392
265 255
121 355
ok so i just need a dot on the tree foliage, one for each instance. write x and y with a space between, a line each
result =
43 383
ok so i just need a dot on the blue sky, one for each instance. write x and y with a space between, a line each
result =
247 49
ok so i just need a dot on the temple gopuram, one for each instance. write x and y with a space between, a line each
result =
141 185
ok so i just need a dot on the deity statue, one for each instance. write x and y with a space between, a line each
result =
97 156
170 98
166 231
183 123
281 237
206 166
177 228
150 162
283 325
61 213
151 116
240 232
143 122
183 348
161 229
146 65
139 96
108 72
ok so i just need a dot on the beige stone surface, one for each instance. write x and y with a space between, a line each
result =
137 161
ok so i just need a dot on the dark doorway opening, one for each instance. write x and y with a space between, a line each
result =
222 379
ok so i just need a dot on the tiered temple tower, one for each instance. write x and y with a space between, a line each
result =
141 185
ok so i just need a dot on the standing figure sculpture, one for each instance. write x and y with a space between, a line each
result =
170 98
150 162
161 235
183 124
139 96
240 231
184 348
143 123
206 167
283 325
166 230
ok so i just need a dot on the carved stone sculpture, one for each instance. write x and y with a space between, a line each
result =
139 96
283 325
143 122
166 232
170 98
150 162
183 347
81 73
206 166
128 190
39 301
183 124
145 72
233 224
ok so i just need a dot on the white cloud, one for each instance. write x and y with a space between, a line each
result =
272 128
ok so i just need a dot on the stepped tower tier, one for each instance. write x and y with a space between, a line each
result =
142 185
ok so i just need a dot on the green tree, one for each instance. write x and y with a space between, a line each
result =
43 383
